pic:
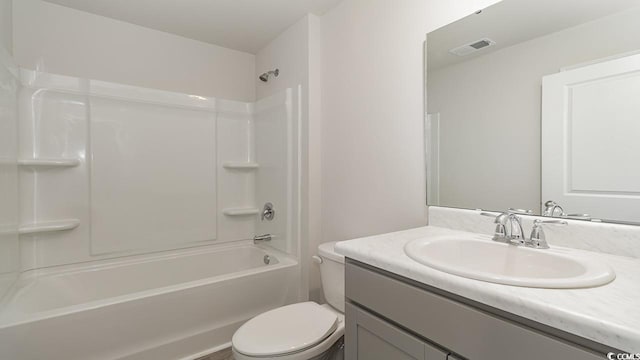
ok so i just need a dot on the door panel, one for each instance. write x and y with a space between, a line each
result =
590 152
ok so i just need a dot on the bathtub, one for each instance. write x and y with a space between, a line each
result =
173 306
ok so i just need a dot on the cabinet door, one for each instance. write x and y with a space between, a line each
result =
370 338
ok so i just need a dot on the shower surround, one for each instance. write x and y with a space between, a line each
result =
121 186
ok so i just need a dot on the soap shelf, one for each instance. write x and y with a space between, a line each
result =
240 165
33 163
241 211
48 226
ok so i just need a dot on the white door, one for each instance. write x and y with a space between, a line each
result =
591 139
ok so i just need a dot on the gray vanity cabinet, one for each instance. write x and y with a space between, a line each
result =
392 318
374 339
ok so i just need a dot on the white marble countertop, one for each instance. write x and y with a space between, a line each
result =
608 314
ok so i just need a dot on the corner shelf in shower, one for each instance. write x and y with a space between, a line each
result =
240 211
240 165
49 226
44 163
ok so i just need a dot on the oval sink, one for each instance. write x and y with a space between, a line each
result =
507 264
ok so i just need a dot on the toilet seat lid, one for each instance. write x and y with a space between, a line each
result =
285 330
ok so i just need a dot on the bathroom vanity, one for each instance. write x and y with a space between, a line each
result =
391 317
398 308
507 128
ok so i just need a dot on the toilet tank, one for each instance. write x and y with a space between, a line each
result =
332 275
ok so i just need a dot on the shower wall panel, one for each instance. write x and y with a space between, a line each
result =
236 184
111 170
153 176
275 178
53 125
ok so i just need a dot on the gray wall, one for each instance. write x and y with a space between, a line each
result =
66 41
6 26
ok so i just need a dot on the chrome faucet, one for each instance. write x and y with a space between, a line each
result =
515 233
268 213
509 229
552 209
261 238
509 226
538 240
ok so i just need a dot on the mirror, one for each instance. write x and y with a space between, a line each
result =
537 100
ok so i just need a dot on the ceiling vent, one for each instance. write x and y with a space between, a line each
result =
472 47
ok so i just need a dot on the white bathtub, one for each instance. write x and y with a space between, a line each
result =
166 307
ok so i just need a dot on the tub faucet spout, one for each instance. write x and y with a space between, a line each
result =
261 238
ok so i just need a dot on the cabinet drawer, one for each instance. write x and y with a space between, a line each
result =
472 333
371 338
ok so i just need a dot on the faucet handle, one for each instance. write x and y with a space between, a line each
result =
268 212
500 233
538 239
501 218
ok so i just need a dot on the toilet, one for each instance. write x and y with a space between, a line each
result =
301 331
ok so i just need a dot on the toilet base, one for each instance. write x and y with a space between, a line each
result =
336 352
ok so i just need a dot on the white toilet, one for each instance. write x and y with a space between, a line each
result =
302 331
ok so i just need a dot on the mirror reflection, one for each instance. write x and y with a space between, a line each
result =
534 105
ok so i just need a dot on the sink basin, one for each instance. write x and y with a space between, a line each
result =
500 263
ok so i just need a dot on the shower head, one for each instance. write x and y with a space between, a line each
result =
265 77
